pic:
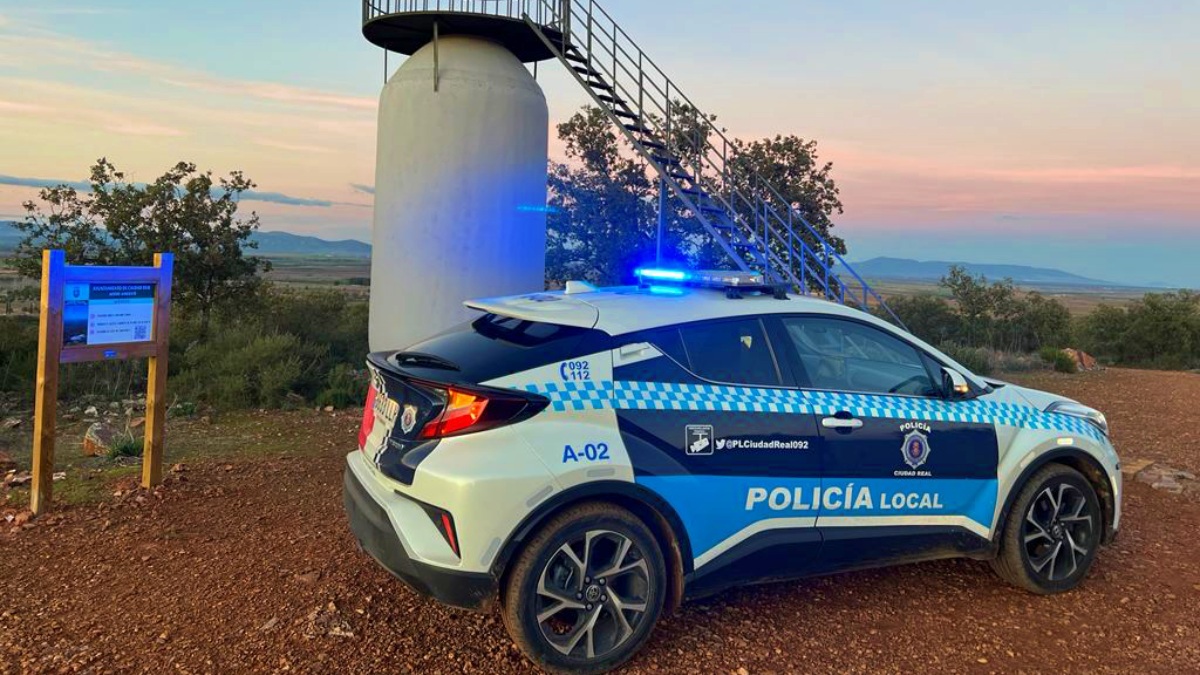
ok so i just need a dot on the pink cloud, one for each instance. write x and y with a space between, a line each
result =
291 147
142 129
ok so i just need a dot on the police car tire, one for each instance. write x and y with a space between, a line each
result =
520 592
1013 564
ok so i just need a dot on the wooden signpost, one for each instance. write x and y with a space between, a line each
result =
100 314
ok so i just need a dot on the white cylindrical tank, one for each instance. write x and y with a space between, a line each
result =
460 189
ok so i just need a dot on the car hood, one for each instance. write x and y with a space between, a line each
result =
1006 392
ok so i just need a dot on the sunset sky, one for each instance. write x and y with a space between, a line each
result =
1062 134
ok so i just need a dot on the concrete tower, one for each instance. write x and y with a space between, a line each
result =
460 181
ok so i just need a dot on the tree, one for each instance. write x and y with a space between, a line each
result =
927 316
603 219
117 222
601 223
995 315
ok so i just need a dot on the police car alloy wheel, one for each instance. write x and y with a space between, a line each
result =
1052 533
585 592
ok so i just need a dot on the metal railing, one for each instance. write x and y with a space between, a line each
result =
511 9
738 208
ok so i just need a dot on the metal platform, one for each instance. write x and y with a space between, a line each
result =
405 26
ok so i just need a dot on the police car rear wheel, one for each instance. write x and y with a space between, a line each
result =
585 593
1052 532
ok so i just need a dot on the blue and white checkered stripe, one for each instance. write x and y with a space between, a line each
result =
579 396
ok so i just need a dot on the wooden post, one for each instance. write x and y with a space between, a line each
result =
50 342
156 381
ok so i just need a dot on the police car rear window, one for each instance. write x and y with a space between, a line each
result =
732 351
494 346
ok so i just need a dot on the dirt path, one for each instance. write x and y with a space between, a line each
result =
249 567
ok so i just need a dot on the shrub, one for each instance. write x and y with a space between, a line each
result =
126 446
345 387
1065 363
927 316
975 359
1049 354
1162 330
245 367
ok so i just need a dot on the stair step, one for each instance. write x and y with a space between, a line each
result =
584 70
611 99
599 85
666 161
571 55
679 176
626 114
709 208
639 129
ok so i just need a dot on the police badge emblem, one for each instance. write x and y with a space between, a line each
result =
916 449
408 420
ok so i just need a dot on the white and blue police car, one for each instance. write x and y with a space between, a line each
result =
593 457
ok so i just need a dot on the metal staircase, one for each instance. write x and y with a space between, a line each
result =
744 214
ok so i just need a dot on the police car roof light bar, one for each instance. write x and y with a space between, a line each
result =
733 282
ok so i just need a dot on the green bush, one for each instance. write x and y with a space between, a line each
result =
126 446
346 387
927 316
1065 363
246 367
978 360
1162 330
1049 354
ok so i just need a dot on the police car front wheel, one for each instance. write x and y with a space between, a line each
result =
585 593
1052 532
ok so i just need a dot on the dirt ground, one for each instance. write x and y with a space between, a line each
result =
246 565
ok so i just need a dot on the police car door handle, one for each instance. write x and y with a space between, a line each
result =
839 423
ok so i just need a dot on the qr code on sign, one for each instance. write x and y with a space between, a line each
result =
140 332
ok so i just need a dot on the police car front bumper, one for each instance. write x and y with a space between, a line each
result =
379 538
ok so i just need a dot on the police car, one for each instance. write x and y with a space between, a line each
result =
593 457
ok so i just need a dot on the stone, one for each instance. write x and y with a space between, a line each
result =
23 478
91 411
11 423
137 422
99 439
1083 361
1167 479
7 463
1135 466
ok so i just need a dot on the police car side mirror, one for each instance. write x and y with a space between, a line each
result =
954 384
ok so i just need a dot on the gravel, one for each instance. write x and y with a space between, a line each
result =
250 568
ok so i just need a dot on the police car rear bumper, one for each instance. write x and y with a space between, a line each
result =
376 535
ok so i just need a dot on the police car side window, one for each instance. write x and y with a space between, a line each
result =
839 355
731 351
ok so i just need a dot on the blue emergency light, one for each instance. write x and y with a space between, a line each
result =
702 278
654 274
660 281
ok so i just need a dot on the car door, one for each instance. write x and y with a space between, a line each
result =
906 472
710 427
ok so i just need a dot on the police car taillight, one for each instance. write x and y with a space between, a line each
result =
468 412
368 420
462 410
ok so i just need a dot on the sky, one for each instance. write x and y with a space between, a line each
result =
1062 134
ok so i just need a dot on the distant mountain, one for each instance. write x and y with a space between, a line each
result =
285 243
269 244
934 270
